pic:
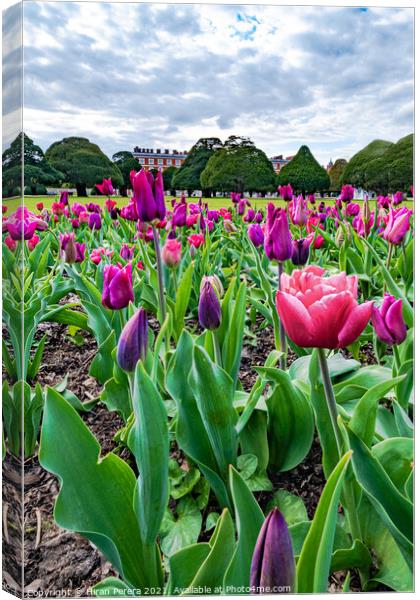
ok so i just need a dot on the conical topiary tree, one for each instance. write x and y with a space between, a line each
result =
304 173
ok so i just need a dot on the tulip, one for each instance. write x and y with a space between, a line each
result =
397 226
213 215
84 217
58 208
250 215
397 198
129 212
40 206
259 217
92 207
311 198
4 209
106 187
110 205
77 208
80 252
273 562
126 252
33 242
117 291
191 220
209 309
286 192
383 201
347 193
278 241
196 240
321 312
298 211
133 342
300 251
216 283
179 218
352 209
97 253
172 252
256 234
229 226
388 321
241 207
95 221
148 195
68 247
10 243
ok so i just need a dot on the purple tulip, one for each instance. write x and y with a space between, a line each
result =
64 197
397 198
299 211
92 207
209 310
179 218
347 193
300 251
383 201
80 252
149 196
213 215
259 217
95 221
77 208
286 192
68 247
117 291
126 252
250 215
277 241
352 209
398 225
256 234
241 207
273 563
388 321
133 342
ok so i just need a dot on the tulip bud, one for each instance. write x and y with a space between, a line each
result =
300 251
229 226
68 248
278 241
388 321
133 342
209 310
256 234
172 252
117 290
95 221
273 562
215 281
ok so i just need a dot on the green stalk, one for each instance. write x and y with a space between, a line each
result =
283 345
329 395
217 354
162 303
396 357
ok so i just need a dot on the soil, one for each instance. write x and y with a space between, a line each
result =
64 563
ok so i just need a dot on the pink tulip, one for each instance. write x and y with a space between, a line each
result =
321 312
196 240
398 225
33 242
10 243
172 252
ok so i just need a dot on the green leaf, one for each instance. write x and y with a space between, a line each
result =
364 417
405 388
247 465
149 442
180 530
393 508
358 556
396 455
290 421
116 397
102 365
337 366
292 507
232 343
96 495
183 566
402 421
182 299
313 567
112 587
249 519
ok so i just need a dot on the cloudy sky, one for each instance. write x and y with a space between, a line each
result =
165 75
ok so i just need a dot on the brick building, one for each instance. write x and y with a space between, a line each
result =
278 162
159 159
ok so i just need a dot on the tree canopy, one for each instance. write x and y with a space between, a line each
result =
126 163
382 166
304 173
37 170
336 173
188 176
238 166
83 163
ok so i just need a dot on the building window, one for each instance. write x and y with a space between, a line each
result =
177 162
160 161
168 161
141 161
151 161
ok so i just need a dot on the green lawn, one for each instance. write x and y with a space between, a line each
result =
31 201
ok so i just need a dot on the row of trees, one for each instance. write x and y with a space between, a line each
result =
211 166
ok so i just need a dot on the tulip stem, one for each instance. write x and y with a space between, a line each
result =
388 258
162 305
217 354
396 357
329 395
283 346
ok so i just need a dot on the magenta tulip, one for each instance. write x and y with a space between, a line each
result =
398 225
278 240
172 252
388 321
133 342
286 192
321 312
106 188
117 291
347 193
256 234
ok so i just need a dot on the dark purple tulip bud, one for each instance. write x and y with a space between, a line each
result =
278 240
241 207
95 221
209 310
259 217
64 198
256 234
300 251
388 321
133 342
273 562
179 218
114 212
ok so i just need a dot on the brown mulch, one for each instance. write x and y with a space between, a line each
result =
56 559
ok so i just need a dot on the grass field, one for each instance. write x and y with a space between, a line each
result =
31 201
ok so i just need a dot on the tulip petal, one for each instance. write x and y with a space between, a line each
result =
328 316
394 322
355 324
278 564
295 318
378 323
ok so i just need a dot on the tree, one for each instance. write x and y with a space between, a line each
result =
126 163
355 171
83 163
382 166
335 174
188 176
304 173
238 166
37 171
168 177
